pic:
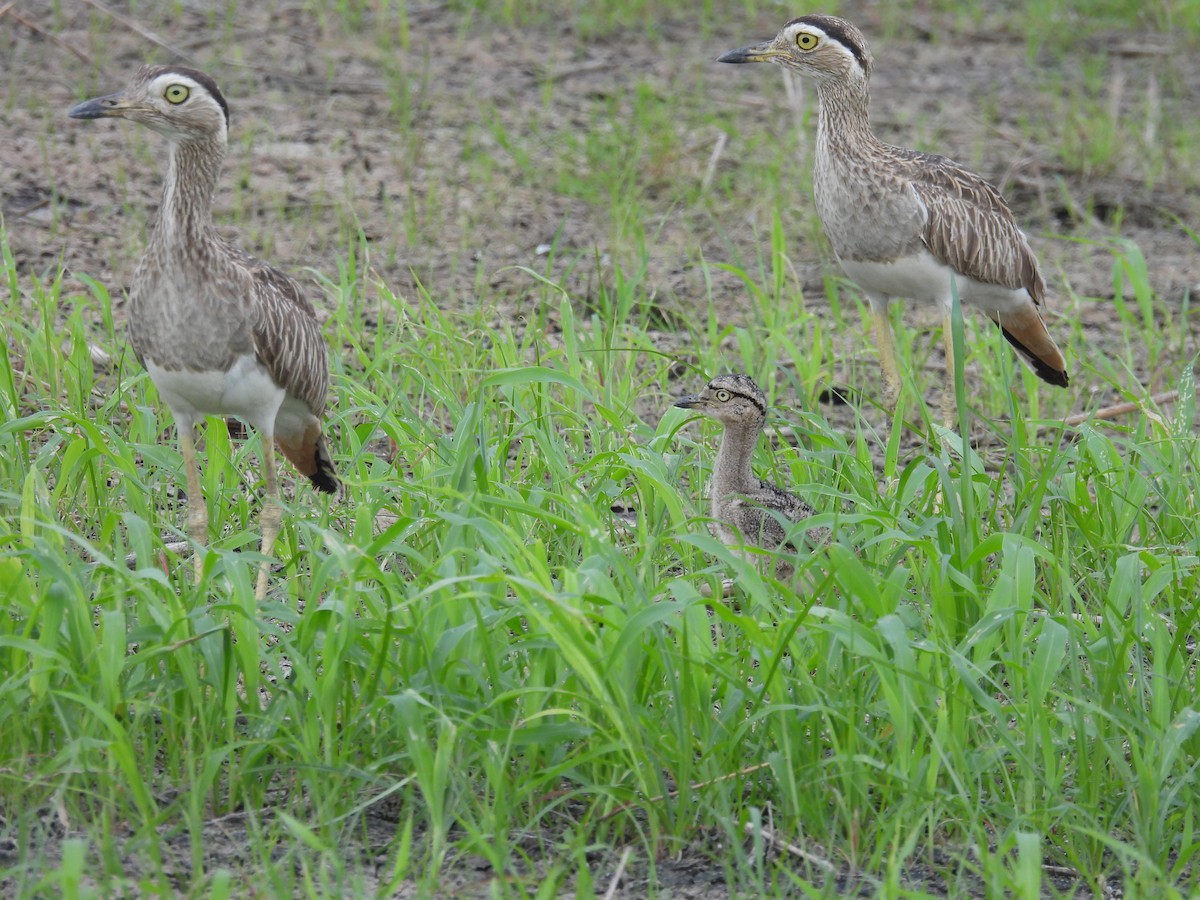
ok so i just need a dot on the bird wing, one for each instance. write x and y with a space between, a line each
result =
968 226
773 497
753 519
287 338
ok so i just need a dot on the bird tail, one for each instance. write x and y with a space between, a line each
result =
310 456
1026 331
325 478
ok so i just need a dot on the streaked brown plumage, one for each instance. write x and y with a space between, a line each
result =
221 333
746 509
905 223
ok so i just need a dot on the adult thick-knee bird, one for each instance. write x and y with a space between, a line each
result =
220 332
906 224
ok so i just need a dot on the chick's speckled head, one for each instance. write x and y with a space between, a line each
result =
179 103
731 400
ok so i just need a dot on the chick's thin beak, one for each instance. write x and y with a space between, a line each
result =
101 107
762 52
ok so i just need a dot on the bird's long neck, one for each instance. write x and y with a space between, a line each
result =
732 473
843 123
191 183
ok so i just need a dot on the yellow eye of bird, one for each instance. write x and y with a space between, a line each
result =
176 93
806 41
723 396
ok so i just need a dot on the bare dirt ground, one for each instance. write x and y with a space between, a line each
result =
320 143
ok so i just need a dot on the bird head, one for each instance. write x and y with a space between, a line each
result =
179 103
823 48
731 400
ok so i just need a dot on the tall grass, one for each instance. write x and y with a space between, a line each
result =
989 669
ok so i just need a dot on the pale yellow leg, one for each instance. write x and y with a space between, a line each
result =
949 397
197 507
887 357
271 517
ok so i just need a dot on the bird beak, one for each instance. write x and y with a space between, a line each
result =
690 402
101 107
764 52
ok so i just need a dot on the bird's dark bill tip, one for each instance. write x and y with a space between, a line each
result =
734 56
686 402
752 53
98 108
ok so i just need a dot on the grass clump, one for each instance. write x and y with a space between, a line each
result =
989 668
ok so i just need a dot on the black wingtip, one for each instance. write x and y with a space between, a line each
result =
325 482
1056 377
325 478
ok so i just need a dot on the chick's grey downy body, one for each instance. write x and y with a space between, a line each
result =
220 332
904 223
746 509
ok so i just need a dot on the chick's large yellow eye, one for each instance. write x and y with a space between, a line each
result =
176 93
806 41
723 396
